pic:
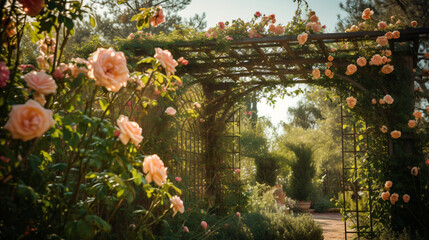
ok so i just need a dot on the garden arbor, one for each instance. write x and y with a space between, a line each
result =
225 72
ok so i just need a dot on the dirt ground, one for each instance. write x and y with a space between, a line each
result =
332 225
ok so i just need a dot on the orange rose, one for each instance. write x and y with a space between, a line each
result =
383 129
376 60
29 120
395 134
394 198
382 40
414 171
417 114
382 25
351 102
155 170
406 198
158 18
412 123
389 35
388 99
395 34
41 82
316 73
374 101
386 69
129 131
388 184
385 196
381 101
177 205
361 61
302 38
330 58
328 72
351 69
413 23
167 61
329 64
109 69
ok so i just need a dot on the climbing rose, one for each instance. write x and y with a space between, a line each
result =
417 114
158 18
382 25
170 111
29 120
366 14
389 35
382 40
197 105
238 214
413 23
179 179
314 18
330 58
412 123
314 26
361 61
376 60
221 25
381 101
167 61
40 98
328 72
388 184
385 196
204 225
351 102
383 129
384 60
32 7
316 73
396 34
41 82
394 198
406 198
109 69
177 205
186 229
386 69
257 14
4 74
329 64
388 99
374 101
351 69
80 65
129 131
155 170
414 171
395 134
302 38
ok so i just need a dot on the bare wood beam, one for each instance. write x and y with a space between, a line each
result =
272 66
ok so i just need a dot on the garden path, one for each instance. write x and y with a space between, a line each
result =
332 225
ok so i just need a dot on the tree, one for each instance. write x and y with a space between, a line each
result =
305 115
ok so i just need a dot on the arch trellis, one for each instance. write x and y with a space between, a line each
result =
248 65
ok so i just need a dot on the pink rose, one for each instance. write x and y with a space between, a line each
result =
351 102
389 35
302 38
388 99
314 26
383 129
388 184
385 196
170 111
177 205
374 101
351 69
41 82
179 179
417 114
221 25
413 23
394 198
109 69
376 60
316 73
29 120
238 214
382 40
154 169
167 61
186 229
382 25
41 62
412 123
361 61
414 171
395 134
395 34
197 105
204 225
386 69
32 7
131 36
129 131
257 14
4 74
158 18
427 162
406 198
58 74
80 66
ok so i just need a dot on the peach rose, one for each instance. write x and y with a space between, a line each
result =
41 62
361 61
383 129
388 184
32 7
382 40
177 205
170 111
414 171
129 131
158 18
328 72
154 169
385 196
395 34
80 65
314 26
351 69
197 105
417 114
388 53
389 35
40 98
366 14
167 61
41 82
376 60
316 73
381 101
302 38
384 60
412 123
394 198
413 23
382 25
329 64
330 58
29 120
109 69
374 101
388 99
386 69
331 75
314 18
406 198
395 134
351 102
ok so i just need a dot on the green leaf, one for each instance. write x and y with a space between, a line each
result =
103 225
46 155
146 60
136 177
104 104
92 21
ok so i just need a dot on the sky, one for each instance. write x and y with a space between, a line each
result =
227 10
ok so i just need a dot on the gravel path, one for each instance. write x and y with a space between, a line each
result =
332 225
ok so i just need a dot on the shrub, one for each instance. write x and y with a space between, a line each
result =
322 205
